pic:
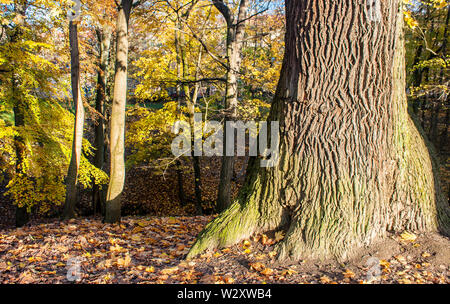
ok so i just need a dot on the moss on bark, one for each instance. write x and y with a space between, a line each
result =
351 167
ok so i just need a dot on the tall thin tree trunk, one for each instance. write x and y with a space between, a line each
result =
235 36
180 180
98 193
72 174
352 164
117 135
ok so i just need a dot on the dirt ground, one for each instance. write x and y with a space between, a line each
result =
151 250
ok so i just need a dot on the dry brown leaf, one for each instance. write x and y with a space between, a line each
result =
257 266
170 271
267 271
348 274
279 235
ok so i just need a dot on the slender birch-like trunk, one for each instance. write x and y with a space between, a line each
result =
72 174
234 43
117 123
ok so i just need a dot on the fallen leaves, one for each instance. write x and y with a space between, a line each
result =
151 250
348 274
261 268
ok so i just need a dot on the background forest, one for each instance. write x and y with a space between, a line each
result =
89 95
177 62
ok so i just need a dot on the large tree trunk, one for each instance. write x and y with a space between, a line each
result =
117 135
235 36
352 164
72 174
98 193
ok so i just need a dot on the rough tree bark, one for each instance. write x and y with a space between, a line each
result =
72 174
352 163
234 43
117 134
104 37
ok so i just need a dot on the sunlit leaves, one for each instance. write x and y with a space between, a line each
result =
150 134
410 21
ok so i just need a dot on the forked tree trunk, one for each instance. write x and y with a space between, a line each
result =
117 135
72 174
352 164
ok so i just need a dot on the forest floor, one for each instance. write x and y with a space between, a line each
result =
152 250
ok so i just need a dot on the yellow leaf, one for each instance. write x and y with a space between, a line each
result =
246 244
385 263
408 237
